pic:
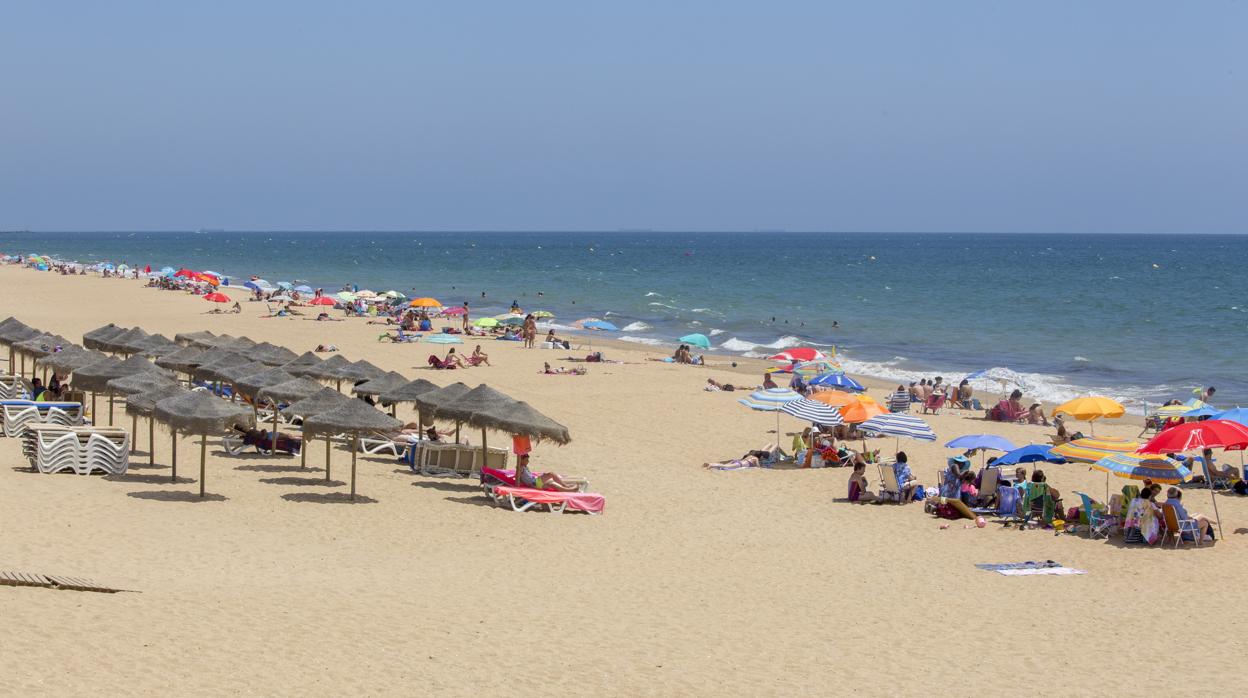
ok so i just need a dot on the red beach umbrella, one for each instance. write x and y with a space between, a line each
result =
185 273
217 298
1211 433
321 300
799 354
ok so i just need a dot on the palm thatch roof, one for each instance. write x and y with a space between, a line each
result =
42 345
11 324
239 345
354 417
431 402
123 343
197 412
217 359
184 359
304 360
94 338
290 391
321 401
142 404
272 354
156 345
96 376
519 417
408 392
380 384
358 371
479 399
250 384
324 370
190 338
138 383
16 333
233 374
70 358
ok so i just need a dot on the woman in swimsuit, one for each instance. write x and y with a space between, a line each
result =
545 481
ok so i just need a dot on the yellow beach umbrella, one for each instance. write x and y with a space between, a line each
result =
425 303
1090 409
1090 450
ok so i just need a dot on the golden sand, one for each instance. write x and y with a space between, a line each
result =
693 582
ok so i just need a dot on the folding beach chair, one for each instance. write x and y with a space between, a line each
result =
1099 518
1177 527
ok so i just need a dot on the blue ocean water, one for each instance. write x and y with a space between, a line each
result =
1134 316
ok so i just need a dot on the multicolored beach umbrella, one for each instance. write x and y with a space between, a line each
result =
902 426
1139 466
807 369
770 400
813 411
838 381
1090 450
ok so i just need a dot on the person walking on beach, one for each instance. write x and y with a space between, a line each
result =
466 323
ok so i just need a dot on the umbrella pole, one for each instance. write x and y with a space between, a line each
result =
151 441
173 451
483 447
275 428
203 454
1216 515
134 432
94 418
110 409
327 458
303 452
355 448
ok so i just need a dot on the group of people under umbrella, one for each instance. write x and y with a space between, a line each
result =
232 378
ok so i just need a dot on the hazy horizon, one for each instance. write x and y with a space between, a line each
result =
903 116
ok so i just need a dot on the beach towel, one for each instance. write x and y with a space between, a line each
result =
578 501
1029 565
1060 571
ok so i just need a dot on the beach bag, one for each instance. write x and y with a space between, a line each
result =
920 493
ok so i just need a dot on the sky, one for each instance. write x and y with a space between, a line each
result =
1060 116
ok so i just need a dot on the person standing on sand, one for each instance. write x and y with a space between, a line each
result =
530 331
466 322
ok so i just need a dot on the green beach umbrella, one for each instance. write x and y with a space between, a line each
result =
486 322
697 340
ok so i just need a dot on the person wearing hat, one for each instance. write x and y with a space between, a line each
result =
952 484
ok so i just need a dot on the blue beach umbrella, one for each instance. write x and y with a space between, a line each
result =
697 340
1235 414
444 339
1034 453
1206 411
899 426
813 411
304 288
837 380
596 325
285 285
167 271
1139 466
770 400
981 441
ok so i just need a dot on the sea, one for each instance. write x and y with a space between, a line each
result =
1141 318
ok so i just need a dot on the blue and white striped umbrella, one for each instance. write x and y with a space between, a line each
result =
813 411
836 380
899 425
769 400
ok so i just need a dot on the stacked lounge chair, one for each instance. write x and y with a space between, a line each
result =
53 448
16 415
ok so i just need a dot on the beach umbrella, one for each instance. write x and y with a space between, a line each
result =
143 404
1138 466
512 320
39 346
304 288
899 426
838 381
600 325
14 333
486 322
323 300
697 340
285 285
981 442
133 385
320 371
443 339
69 359
155 346
539 314
354 417
305 360
198 413
770 400
407 392
250 384
166 271
798 354
480 400
272 354
120 343
1090 409
95 337
358 371
238 345
861 411
836 398
380 384
345 296
806 369
393 295
202 338
1033 453
1090 450
183 360
257 287
217 359
453 311
217 298
1236 414
95 377
425 302
185 273
813 411
432 401
365 294
1191 436
233 374
287 391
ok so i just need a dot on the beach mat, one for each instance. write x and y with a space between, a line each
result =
1059 571
1029 565
52 581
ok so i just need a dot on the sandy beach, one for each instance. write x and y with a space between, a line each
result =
759 582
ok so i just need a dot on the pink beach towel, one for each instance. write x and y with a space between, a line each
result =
579 501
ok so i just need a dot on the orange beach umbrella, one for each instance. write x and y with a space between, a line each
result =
425 303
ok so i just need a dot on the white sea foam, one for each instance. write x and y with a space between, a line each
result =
653 293
635 327
714 332
556 326
734 344
1082 358
651 341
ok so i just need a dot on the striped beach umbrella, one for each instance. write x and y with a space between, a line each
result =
899 426
1139 466
770 400
813 411
1090 450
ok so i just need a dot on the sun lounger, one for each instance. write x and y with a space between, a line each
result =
889 488
457 460
524 498
13 388
53 448
394 445
492 478
17 414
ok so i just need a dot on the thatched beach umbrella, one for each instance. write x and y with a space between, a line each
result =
133 385
272 354
250 384
120 343
233 374
14 336
289 391
239 345
36 347
323 400
305 360
324 370
520 418
187 339
220 359
354 417
358 371
380 384
408 392
184 360
476 401
197 412
156 345
65 361
96 377
143 404
95 338
431 402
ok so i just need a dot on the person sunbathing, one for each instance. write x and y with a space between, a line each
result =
1035 415
453 359
323 348
752 459
1225 472
578 371
859 490
479 357
544 481
713 385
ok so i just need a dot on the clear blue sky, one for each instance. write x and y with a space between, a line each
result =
895 116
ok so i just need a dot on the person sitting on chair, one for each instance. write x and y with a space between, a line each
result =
545 481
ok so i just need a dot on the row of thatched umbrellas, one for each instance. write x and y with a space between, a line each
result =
146 374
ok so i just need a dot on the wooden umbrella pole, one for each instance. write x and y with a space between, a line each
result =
303 452
327 457
110 409
151 441
275 428
484 446
134 432
355 447
94 416
173 454
203 454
